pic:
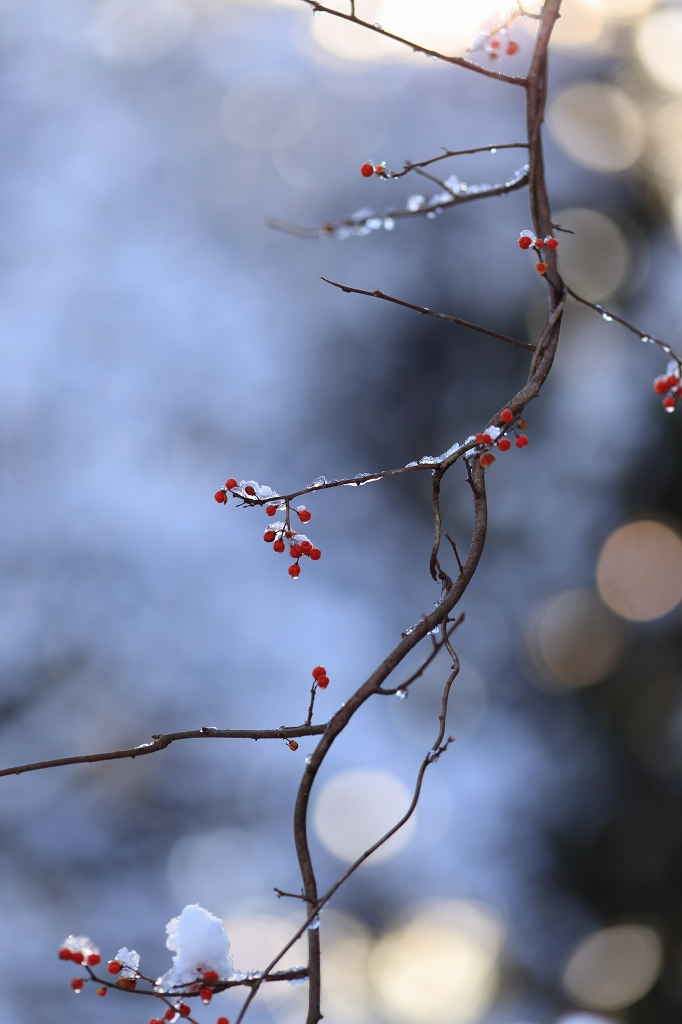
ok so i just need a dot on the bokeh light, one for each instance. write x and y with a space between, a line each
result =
574 640
598 125
581 25
136 31
639 572
271 108
595 259
614 967
620 10
355 808
658 40
255 940
440 967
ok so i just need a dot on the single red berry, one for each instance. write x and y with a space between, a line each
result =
295 551
169 1014
521 441
495 44
322 682
155 1020
315 554
673 381
538 243
101 991
206 994
289 534
249 490
319 671
127 983
278 546
551 243
210 976
661 385
220 496
292 745
523 424
94 959
222 1020
294 571
306 547
504 444
77 984
512 47
64 953
231 483
77 956
541 268
506 415
487 460
183 1010
269 536
114 967
525 242
304 515
669 403
270 510
367 170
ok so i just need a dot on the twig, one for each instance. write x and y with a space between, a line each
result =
409 166
608 315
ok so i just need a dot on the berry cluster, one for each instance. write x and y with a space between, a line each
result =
369 168
495 46
669 385
497 435
527 240
320 677
80 950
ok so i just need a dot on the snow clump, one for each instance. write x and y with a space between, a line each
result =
200 944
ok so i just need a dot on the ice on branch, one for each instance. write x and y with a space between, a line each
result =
129 961
253 489
200 944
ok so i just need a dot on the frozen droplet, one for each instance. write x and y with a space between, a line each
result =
377 25
432 56
389 223
402 694
669 408
666 349
319 482
414 203
605 316
308 758
316 14
646 338
375 223
314 924
430 215
493 150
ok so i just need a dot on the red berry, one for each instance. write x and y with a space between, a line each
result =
77 956
64 953
270 510
661 385
673 381
367 170
114 967
506 415
306 547
521 441
541 268
222 1020
278 546
487 460
231 483
183 1010
512 47
269 536
319 671
523 424
206 994
551 243
292 745
315 554
94 959
155 1020
128 983
525 242
484 439
669 402
77 984
210 976
294 571
169 1014
249 490
304 515
495 44
295 551
101 991
504 444
322 682
220 496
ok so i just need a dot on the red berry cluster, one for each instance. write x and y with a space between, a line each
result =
79 957
496 435
299 545
527 240
369 168
669 385
320 677
495 47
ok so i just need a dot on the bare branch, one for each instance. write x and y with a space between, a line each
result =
608 315
425 311
415 47
164 740
437 648
410 166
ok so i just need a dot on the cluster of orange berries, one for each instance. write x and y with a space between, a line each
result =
527 240
492 436
669 385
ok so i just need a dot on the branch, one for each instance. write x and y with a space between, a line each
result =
409 166
415 47
425 311
608 315
364 222
437 648
164 740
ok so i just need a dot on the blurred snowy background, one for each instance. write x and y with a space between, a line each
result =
157 338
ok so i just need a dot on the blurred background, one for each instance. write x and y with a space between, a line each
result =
157 337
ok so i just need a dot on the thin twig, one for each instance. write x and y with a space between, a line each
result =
607 314
447 153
